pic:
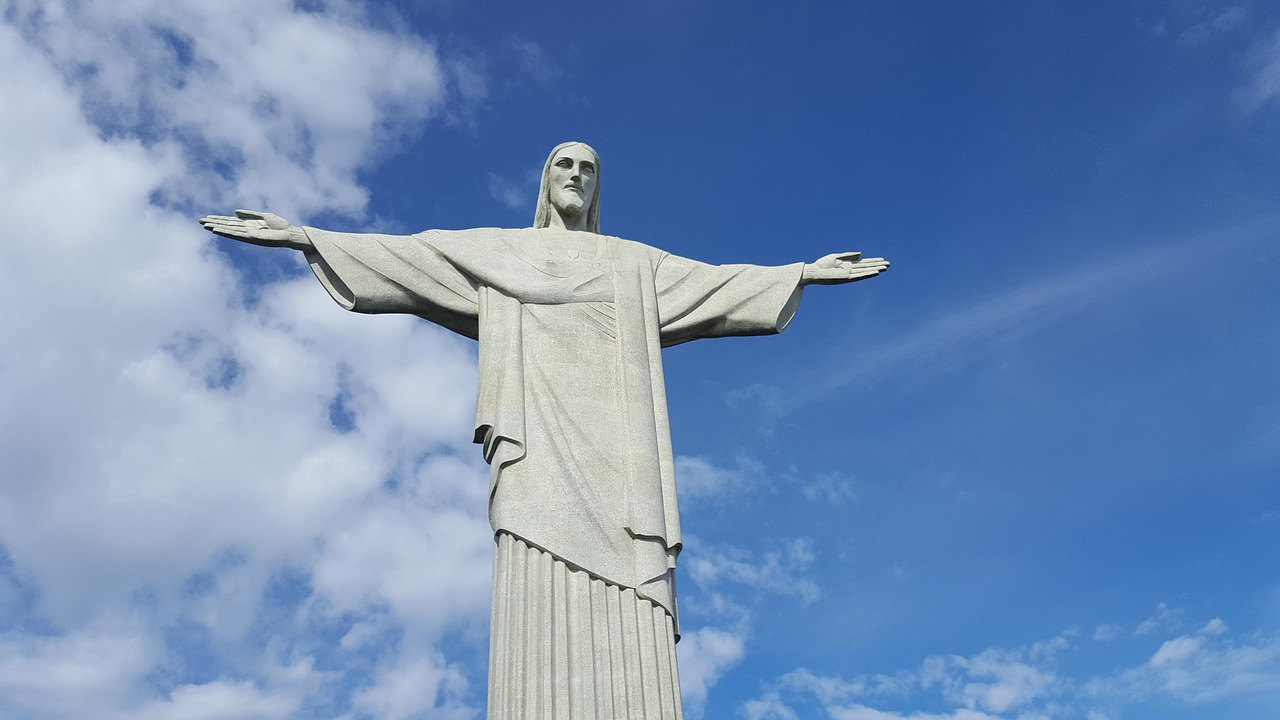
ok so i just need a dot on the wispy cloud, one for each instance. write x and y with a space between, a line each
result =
1107 632
1164 618
1196 668
700 479
513 195
1263 85
768 706
779 570
1200 667
1019 309
1227 21
831 488
708 652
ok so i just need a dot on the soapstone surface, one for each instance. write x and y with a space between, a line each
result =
571 415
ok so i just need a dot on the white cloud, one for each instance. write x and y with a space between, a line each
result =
828 690
779 570
414 687
1027 683
1214 627
704 655
1176 650
699 478
862 712
290 104
512 194
999 681
1200 668
1107 632
1164 618
394 552
767 707
829 488
63 676
220 700
169 455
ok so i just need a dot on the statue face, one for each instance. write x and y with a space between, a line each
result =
572 180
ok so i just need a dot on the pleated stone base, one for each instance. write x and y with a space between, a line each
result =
568 646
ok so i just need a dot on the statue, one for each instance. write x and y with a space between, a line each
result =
571 413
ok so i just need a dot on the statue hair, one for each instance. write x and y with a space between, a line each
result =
542 216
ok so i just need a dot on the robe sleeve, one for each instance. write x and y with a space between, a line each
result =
370 273
696 300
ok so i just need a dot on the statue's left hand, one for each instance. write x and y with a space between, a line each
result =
842 268
259 228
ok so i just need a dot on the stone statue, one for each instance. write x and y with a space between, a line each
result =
572 416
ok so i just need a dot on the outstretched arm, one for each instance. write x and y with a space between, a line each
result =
258 228
842 268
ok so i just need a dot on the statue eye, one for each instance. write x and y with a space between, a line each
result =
588 167
564 163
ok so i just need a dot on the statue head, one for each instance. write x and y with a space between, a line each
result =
570 198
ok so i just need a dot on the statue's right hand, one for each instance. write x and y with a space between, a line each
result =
259 228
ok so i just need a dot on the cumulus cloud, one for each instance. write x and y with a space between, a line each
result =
221 699
995 680
269 105
212 489
413 687
704 655
61 676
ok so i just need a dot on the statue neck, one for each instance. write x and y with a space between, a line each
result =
564 221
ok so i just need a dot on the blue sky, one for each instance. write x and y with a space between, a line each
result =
1031 472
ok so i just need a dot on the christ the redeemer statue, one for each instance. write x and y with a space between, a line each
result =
572 415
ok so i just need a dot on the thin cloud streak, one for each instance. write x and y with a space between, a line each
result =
1018 310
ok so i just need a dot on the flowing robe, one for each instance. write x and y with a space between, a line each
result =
571 409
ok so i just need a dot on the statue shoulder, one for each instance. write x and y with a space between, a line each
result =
492 239
478 234
632 246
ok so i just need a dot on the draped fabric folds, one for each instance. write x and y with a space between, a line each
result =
572 414
571 408
567 646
